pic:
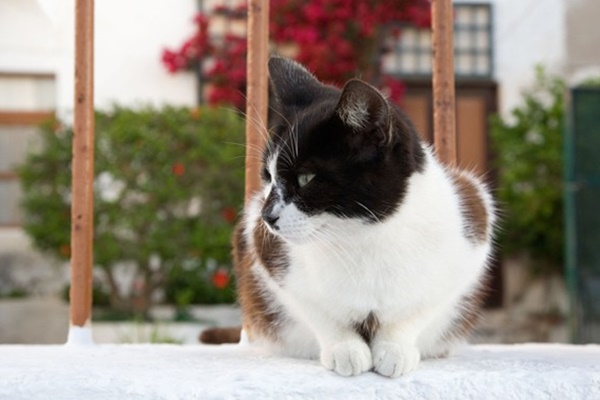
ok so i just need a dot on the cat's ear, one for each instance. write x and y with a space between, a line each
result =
290 83
366 114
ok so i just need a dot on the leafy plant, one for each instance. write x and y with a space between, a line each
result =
528 147
166 184
335 39
591 82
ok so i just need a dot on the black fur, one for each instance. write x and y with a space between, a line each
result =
360 172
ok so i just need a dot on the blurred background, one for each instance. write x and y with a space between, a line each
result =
169 87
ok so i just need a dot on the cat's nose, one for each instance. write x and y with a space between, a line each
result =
271 219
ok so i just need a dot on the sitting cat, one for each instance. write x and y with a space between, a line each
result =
361 249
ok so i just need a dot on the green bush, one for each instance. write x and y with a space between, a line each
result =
168 184
528 148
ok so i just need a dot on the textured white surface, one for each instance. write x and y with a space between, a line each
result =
529 371
80 336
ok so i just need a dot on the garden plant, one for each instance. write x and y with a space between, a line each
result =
168 188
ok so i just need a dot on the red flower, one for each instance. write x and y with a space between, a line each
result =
178 169
337 40
228 214
220 279
393 88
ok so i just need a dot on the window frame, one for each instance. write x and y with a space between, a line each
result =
397 50
20 117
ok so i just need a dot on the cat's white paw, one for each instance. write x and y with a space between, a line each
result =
393 359
351 357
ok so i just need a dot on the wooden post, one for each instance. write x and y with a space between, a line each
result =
444 121
82 208
257 90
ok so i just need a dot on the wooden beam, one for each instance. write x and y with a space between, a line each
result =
8 176
257 91
25 117
444 120
82 209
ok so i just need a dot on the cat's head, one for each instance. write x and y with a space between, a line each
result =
335 158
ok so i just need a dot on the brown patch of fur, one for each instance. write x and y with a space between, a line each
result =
269 249
220 335
259 314
473 209
368 327
471 306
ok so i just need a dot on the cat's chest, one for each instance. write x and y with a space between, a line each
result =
361 277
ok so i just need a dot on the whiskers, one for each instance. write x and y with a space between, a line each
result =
371 213
289 150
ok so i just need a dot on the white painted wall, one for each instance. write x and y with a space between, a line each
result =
38 36
131 35
583 39
526 33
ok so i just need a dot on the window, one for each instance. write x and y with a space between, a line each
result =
411 54
25 101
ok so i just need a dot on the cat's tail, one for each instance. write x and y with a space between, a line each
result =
220 335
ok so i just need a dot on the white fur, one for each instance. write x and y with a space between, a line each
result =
411 270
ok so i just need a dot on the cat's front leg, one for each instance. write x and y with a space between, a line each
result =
347 356
341 348
394 350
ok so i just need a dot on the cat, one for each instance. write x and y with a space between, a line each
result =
361 249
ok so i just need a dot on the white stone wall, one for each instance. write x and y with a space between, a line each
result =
37 36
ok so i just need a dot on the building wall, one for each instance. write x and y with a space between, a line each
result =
582 59
37 36
526 33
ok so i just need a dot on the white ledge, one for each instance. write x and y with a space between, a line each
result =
530 371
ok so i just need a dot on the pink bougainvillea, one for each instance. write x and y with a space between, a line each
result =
336 39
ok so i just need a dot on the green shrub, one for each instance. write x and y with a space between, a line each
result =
528 148
168 184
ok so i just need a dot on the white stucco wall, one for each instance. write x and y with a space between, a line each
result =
583 39
526 33
38 36
130 38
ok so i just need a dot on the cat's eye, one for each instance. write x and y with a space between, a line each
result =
304 179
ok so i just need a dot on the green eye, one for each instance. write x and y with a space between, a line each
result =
303 179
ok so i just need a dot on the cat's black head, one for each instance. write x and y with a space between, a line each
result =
333 154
